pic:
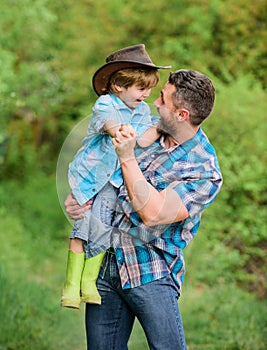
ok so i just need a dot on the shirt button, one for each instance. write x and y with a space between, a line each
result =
108 175
93 189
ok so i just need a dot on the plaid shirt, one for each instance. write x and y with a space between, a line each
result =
144 253
96 162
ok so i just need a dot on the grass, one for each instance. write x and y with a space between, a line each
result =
217 315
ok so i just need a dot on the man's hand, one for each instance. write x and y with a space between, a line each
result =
124 142
73 209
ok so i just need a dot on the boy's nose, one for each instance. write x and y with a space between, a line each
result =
146 93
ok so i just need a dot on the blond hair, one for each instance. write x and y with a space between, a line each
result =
143 78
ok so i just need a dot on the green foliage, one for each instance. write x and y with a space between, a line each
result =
50 50
29 85
26 75
8 78
239 29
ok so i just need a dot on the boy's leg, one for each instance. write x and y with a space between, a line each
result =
71 296
71 292
90 273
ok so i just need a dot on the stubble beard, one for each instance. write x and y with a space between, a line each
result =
165 129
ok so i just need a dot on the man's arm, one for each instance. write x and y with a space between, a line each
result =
154 207
111 127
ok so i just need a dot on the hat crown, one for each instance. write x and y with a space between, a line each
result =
136 53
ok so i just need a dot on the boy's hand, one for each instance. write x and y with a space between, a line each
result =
124 142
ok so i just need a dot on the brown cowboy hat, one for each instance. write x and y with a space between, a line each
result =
130 57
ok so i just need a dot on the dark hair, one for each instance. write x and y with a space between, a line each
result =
195 92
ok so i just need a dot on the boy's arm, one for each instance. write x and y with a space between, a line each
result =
111 127
148 137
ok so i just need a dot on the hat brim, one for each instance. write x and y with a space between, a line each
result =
103 74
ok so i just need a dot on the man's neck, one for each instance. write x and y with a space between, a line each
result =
183 134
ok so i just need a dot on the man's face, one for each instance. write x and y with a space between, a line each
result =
166 109
165 99
173 121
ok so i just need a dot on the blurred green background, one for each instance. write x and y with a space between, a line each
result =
48 53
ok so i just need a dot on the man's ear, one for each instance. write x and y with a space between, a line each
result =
183 114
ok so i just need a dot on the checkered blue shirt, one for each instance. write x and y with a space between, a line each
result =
143 253
96 162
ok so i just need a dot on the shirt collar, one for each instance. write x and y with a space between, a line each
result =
185 147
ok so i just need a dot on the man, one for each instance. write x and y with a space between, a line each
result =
166 188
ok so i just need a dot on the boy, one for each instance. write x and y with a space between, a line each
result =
123 84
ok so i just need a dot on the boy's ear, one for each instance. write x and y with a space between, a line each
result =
118 87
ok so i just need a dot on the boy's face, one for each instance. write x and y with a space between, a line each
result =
133 95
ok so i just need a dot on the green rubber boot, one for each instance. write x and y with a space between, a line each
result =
90 273
72 287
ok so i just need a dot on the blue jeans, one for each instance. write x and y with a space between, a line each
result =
109 325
